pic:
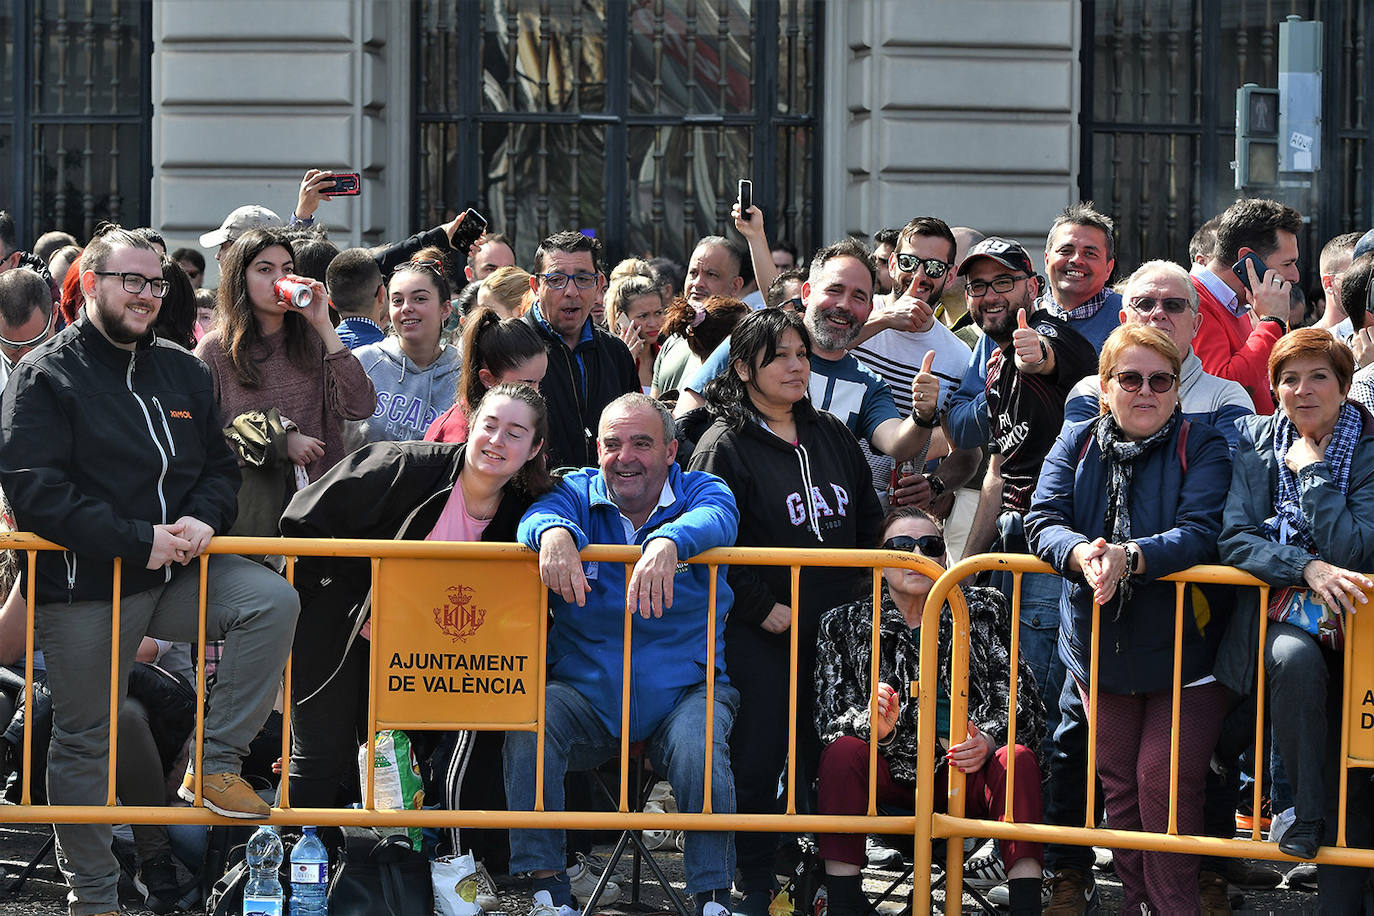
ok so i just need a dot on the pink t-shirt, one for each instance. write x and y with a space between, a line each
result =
454 523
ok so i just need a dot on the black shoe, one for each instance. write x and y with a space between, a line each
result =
1302 839
1302 877
1252 875
164 892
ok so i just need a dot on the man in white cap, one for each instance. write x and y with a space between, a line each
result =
236 224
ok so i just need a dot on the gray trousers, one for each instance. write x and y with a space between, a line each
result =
247 605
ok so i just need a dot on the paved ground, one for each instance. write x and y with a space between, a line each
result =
43 894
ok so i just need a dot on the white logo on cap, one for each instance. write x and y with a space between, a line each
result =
996 246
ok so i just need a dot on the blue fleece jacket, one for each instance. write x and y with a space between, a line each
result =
1175 520
669 652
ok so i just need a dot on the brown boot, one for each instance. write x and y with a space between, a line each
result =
1215 899
1072 893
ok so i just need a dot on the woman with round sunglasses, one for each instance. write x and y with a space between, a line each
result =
1124 499
843 718
1300 516
264 352
800 481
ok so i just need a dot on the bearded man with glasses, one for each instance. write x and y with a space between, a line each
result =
588 368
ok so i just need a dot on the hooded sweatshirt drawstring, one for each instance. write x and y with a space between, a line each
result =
804 462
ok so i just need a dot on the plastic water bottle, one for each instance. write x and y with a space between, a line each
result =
309 876
262 894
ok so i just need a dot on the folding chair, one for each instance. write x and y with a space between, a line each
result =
638 794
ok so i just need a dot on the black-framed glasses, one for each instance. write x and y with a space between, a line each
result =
934 267
932 545
1002 283
797 305
559 281
135 283
1147 304
1160 382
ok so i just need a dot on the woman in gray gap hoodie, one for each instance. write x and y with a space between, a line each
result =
416 376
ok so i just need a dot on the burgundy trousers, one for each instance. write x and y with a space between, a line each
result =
1133 762
843 789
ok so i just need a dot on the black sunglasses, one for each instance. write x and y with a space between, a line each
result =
935 268
1145 305
932 545
1160 382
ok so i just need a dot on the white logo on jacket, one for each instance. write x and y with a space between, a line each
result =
796 506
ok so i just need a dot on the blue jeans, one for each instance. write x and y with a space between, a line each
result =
1039 615
575 739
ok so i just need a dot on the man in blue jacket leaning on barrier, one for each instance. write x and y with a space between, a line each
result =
640 496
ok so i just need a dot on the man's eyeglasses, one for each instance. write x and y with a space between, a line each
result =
1145 305
932 545
1160 382
1003 283
31 342
797 305
934 267
559 281
134 283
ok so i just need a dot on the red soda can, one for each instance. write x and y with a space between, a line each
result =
296 293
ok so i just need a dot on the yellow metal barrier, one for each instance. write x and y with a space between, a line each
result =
954 826
506 554
924 825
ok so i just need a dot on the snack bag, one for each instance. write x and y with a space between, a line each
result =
396 779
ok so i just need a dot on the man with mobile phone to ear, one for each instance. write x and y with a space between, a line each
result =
1243 294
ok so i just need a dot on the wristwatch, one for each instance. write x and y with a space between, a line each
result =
1132 560
937 486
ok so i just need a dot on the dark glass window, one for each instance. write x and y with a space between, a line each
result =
75 104
633 118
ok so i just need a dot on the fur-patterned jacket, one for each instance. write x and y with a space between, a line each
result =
843 665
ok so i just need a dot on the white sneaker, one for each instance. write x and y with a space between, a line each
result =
543 906
984 870
583 884
1280 824
714 909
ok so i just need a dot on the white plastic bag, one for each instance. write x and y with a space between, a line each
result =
455 885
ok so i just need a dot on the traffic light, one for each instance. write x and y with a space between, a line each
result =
1257 137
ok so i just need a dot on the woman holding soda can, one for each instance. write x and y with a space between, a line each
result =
273 345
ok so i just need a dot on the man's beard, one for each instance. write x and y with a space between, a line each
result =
828 338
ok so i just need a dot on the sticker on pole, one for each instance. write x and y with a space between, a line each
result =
456 641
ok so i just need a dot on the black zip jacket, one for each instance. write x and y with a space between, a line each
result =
575 409
771 480
98 444
383 491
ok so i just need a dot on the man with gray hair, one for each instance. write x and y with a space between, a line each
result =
1080 255
1160 294
638 496
26 309
714 270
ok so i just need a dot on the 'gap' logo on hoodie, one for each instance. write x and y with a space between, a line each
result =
796 506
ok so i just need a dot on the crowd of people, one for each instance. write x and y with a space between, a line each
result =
942 393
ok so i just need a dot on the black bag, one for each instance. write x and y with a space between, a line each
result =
380 875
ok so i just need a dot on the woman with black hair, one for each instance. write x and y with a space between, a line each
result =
495 351
800 480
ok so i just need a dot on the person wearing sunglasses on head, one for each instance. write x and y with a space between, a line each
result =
1124 499
843 717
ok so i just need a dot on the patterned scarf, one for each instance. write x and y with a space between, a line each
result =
1120 455
1288 525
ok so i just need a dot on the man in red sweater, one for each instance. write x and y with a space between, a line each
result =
1242 320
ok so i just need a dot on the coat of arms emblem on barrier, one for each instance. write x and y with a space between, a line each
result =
459 618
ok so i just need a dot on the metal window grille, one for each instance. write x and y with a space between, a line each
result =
75 113
633 118
1158 121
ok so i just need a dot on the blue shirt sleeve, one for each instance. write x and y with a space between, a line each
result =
715 364
967 413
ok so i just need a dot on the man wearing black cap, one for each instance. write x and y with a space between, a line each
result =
1037 359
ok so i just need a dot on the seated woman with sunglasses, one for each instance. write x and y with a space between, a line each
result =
842 717
414 371
1124 499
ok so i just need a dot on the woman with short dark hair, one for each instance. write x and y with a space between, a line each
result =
1300 516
